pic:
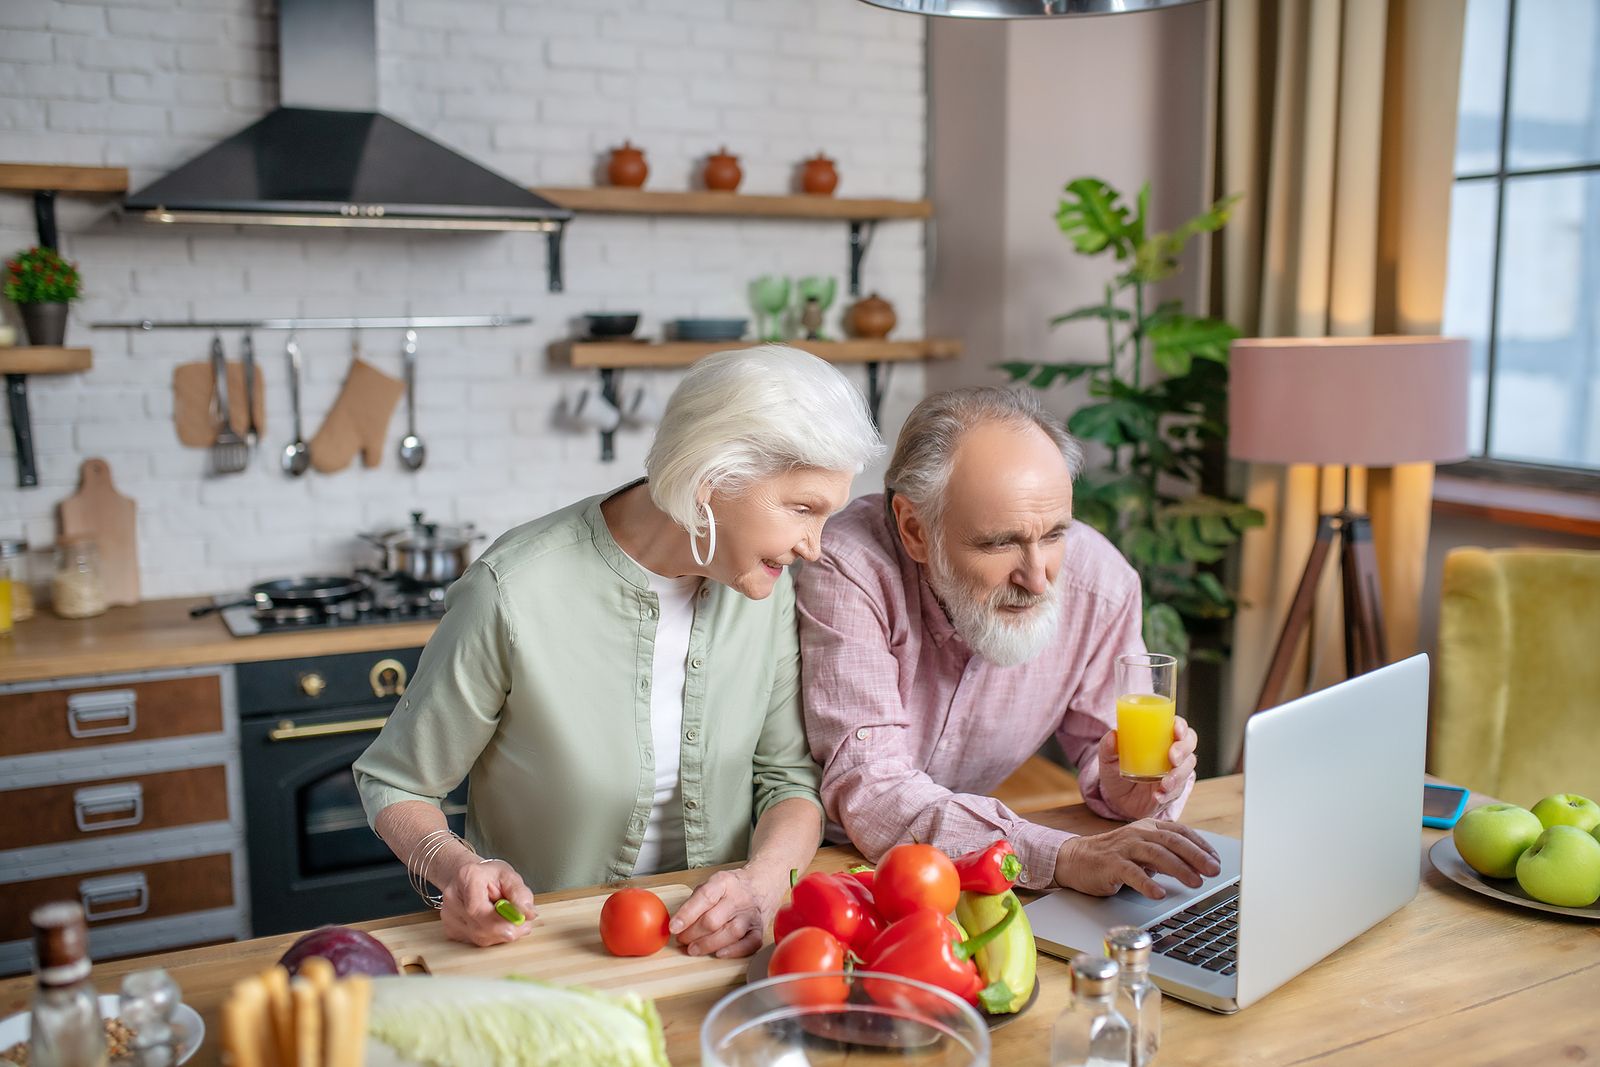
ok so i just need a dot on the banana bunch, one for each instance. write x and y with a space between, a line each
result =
1010 958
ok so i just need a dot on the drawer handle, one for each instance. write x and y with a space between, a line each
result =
387 678
115 896
114 711
98 808
286 730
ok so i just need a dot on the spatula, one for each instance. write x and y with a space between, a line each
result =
229 453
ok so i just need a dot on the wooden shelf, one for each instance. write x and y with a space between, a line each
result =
31 177
612 200
617 355
37 359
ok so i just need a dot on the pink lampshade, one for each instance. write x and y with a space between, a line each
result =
1356 401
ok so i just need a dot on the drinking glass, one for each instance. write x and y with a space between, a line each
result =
1146 707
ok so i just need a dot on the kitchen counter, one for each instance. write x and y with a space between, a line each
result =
1450 978
160 634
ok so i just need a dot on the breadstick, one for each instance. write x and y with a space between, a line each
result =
358 998
281 1010
246 1034
319 972
307 1022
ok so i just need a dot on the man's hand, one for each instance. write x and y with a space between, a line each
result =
728 915
1127 856
1140 800
468 908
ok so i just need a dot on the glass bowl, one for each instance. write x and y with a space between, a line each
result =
884 1019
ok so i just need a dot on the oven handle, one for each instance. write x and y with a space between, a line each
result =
286 730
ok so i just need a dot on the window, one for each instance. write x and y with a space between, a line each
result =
1524 267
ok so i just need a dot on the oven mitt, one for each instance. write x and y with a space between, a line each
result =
358 421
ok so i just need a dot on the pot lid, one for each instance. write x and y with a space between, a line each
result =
424 536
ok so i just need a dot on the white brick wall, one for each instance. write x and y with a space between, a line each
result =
539 89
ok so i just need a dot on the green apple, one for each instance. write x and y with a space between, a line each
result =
1493 837
1562 867
1568 809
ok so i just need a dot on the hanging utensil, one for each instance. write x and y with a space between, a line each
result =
296 456
412 451
229 453
248 359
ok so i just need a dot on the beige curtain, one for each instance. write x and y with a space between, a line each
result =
1336 119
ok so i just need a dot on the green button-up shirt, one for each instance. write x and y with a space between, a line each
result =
537 682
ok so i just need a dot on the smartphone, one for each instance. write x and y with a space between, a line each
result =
1442 805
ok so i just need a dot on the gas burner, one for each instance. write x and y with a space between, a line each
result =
383 600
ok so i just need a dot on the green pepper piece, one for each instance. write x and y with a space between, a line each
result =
508 911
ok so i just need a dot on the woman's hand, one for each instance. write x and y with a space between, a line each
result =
468 909
1141 800
728 915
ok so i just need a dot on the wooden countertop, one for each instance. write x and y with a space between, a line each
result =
159 633
1450 978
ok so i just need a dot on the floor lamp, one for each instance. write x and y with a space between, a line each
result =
1348 402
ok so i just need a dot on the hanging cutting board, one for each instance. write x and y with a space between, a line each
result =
565 948
98 511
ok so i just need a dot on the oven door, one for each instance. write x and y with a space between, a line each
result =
313 859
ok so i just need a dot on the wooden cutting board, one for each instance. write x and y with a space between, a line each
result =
565 948
98 511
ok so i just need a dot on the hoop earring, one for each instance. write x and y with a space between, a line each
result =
711 538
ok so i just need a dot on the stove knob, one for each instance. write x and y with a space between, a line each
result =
312 684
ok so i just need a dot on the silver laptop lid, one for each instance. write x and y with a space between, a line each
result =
1332 775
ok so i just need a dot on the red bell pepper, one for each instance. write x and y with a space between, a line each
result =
838 904
786 922
925 946
863 875
989 870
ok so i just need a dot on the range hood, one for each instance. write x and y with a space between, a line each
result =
328 157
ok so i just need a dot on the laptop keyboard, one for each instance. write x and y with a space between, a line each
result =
1206 933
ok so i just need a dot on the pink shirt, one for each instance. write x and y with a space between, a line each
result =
913 730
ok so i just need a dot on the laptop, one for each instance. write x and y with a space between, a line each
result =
1331 845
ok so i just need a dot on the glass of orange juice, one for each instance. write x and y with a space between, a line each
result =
1146 707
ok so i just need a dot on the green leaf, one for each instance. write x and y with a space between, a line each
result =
1094 218
1180 338
1211 586
1016 371
1093 311
1114 422
1096 513
1164 631
1215 530
1048 373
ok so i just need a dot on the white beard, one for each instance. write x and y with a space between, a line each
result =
1003 638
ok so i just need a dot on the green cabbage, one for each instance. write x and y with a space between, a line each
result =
465 1022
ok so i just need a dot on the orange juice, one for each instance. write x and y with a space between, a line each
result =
1144 734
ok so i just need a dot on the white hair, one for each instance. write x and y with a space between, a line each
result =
924 457
751 413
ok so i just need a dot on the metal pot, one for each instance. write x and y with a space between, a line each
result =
425 553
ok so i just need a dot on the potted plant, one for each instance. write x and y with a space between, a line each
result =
1164 432
41 284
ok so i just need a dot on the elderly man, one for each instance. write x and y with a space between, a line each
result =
957 622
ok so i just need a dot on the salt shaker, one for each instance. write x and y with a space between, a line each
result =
149 1003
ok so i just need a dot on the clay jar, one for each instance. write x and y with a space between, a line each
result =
627 167
871 318
818 176
722 173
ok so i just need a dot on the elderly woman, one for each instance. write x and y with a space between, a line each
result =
621 677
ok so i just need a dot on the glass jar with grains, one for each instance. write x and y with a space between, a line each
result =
77 592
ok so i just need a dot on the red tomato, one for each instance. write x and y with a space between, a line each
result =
633 922
806 950
915 876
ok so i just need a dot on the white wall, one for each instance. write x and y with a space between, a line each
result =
1016 111
538 90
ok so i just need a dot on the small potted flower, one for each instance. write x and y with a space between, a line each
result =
41 284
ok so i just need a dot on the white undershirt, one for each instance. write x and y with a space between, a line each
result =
663 847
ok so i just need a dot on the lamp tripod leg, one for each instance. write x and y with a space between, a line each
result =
1364 644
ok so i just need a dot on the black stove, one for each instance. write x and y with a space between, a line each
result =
382 601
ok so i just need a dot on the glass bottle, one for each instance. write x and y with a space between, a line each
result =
21 583
149 1000
67 1031
1091 1032
77 591
1138 999
10 562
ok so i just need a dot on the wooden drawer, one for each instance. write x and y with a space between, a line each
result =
74 718
78 811
124 894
